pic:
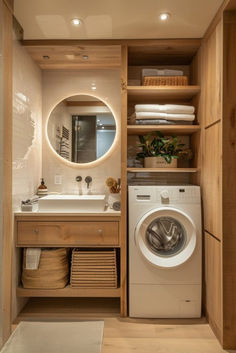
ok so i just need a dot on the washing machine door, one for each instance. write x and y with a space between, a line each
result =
166 237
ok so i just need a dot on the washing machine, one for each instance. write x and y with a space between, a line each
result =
165 251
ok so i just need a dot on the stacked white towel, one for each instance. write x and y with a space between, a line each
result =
168 112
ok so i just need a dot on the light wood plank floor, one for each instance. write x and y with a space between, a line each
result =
152 336
157 336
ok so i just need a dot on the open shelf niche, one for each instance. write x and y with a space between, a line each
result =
170 54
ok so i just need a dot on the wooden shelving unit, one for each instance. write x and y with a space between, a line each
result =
162 170
165 129
68 291
163 92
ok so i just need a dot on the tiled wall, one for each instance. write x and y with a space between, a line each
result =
27 127
58 85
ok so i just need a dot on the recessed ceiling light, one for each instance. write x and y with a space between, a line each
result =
46 57
76 21
164 16
85 57
94 87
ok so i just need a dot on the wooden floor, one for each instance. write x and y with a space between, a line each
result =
126 335
157 336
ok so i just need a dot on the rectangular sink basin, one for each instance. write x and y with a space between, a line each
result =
72 203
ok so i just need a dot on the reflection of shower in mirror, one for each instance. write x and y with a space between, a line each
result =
81 129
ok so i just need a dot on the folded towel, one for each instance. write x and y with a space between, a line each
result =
148 115
161 122
32 258
165 108
163 72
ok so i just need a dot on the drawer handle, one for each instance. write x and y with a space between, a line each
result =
36 231
100 231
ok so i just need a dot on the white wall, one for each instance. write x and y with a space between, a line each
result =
58 85
27 128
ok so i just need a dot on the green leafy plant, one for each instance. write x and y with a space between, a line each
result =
158 145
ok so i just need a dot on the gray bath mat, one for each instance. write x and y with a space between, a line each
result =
56 337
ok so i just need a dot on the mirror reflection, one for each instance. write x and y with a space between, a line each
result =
81 129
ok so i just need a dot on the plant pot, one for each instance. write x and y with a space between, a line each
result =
159 162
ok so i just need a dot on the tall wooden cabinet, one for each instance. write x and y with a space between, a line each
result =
219 175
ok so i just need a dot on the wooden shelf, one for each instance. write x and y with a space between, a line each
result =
69 309
165 129
68 291
162 170
166 92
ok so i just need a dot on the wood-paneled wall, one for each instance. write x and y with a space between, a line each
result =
211 176
6 216
218 178
229 180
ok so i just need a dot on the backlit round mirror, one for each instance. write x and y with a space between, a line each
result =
81 129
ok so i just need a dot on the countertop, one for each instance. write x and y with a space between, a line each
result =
108 212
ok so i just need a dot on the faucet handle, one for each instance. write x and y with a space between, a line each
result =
88 180
78 178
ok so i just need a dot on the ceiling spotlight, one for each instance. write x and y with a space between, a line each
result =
76 21
85 57
94 87
164 16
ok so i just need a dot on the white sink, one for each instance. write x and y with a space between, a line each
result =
72 203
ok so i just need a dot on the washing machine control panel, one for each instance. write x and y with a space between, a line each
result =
165 194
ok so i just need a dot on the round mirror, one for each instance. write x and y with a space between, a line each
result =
81 129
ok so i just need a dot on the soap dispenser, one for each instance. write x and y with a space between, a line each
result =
42 189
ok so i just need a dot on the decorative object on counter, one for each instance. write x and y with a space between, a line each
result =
165 77
114 196
93 269
30 205
52 272
162 114
116 206
42 189
159 151
113 184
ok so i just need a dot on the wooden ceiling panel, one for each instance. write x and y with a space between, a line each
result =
72 57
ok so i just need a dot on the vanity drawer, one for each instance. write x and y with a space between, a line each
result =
67 233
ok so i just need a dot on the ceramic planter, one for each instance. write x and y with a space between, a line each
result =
159 162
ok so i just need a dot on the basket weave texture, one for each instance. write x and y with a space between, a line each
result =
165 81
93 269
53 271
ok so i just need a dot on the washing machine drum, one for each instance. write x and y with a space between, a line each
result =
166 237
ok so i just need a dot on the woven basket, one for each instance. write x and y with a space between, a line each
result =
93 269
53 271
165 81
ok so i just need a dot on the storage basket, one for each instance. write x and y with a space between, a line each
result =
53 271
165 81
93 269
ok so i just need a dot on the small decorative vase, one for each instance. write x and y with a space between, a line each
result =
112 198
159 162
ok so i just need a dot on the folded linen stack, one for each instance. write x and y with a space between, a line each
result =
156 114
162 72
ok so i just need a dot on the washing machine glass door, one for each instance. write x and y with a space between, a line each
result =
166 237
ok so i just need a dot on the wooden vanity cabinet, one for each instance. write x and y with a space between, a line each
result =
71 231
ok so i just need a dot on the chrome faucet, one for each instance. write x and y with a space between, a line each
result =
88 180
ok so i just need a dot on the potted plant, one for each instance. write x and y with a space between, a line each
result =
159 151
